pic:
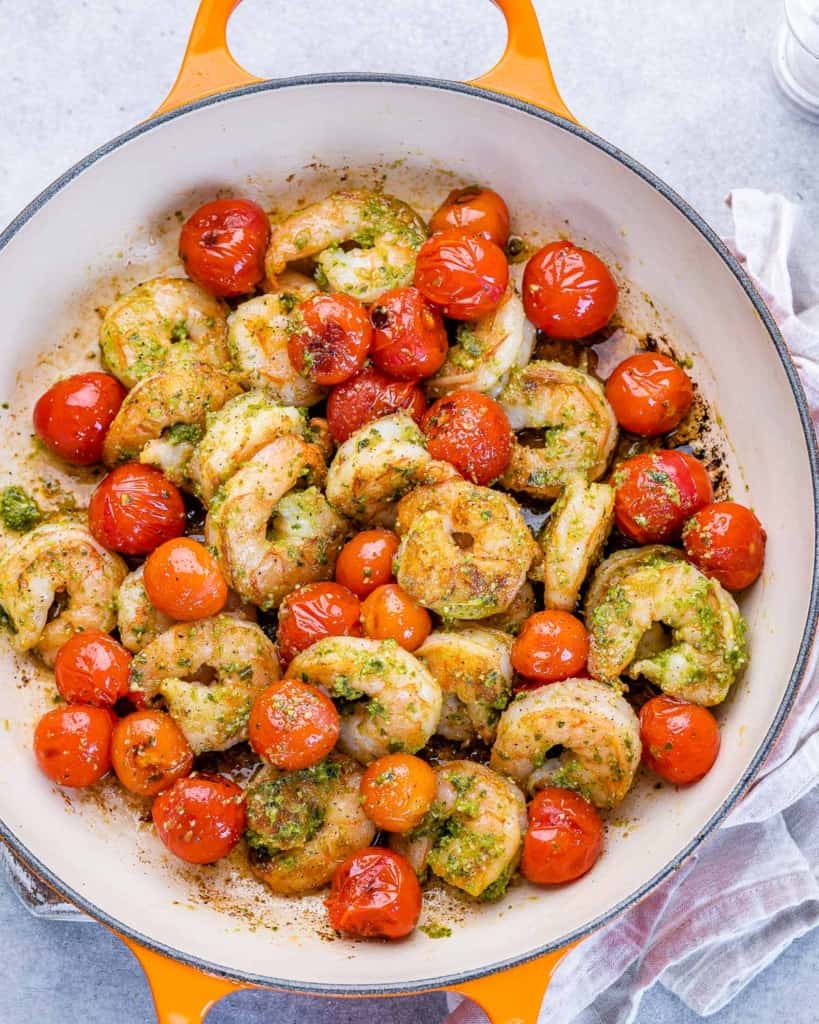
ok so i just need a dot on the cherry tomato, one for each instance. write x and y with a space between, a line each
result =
470 430
568 292
374 894
680 741
183 580
564 837
655 493
365 562
314 611
135 509
149 752
649 393
409 337
389 613
223 246
200 818
397 791
475 211
551 645
72 744
73 416
368 396
332 338
92 668
293 725
726 540
463 274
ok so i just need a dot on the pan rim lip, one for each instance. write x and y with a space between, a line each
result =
810 625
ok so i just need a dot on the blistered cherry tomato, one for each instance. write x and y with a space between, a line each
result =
475 211
365 562
183 580
332 338
680 741
149 752
409 337
314 611
463 274
92 668
471 431
655 493
551 645
293 725
135 509
375 894
397 790
72 744
564 837
73 416
368 396
389 613
200 818
223 246
726 540
650 393
568 292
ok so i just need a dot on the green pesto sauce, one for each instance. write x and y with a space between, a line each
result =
18 510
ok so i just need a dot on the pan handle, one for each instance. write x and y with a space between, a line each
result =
523 71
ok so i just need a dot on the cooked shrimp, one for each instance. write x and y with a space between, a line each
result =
56 581
592 724
619 564
472 835
162 321
270 537
177 667
579 424
403 701
465 550
302 825
707 649
512 618
387 235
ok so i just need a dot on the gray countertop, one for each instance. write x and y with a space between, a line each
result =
683 87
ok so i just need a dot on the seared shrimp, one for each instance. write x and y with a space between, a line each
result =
580 429
56 581
403 701
619 564
302 825
177 667
707 649
512 618
592 724
472 835
465 550
162 321
387 235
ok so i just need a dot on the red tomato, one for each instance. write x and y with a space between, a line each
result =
568 292
551 645
332 338
314 611
183 580
149 752
463 274
73 416
655 493
135 509
72 744
223 246
365 562
293 725
726 540
389 613
650 393
92 668
409 337
471 431
200 818
397 790
475 211
564 837
680 741
368 396
375 894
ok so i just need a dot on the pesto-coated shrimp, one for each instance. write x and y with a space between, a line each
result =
167 320
512 618
387 235
208 673
619 564
56 581
592 724
403 700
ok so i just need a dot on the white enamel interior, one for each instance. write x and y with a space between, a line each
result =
74 239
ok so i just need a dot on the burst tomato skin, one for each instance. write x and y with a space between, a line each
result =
183 580
564 837
725 540
149 752
568 292
552 645
475 211
223 245
332 339
469 430
135 509
397 790
389 613
200 818
73 416
465 275
367 396
293 725
680 741
72 744
409 337
92 668
655 493
650 394
314 611
374 894
365 562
